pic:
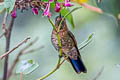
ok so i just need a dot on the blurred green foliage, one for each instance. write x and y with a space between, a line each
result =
69 17
110 7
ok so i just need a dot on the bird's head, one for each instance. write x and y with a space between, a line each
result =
58 21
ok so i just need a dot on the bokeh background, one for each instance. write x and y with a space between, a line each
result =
103 51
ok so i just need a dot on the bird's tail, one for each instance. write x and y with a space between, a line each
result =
78 65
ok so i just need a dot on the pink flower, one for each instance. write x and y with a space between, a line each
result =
50 1
35 11
57 7
13 13
67 3
47 9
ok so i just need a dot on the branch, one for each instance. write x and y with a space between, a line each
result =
87 41
98 74
51 72
2 34
21 76
18 56
7 36
55 69
92 8
84 45
33 50
5 54
4 23
63 60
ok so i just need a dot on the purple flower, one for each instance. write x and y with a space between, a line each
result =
13 13
57 7
67 3
50 1
47 10
35 11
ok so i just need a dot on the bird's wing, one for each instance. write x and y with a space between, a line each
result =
74 40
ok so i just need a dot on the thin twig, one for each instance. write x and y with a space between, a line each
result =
5 54
98 74
92 8
55 69
18 56
63 60
85 44
33 50
4 23
21 76
2 34
51 72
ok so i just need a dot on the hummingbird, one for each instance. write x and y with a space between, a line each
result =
69 45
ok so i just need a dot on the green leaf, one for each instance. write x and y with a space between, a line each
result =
69 17
66 15
111 7
86 42
52 5
45 0
72 11
90 37
53 0
26 67
9 5
2 7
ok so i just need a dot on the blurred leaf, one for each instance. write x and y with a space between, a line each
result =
9 5
86 42
66 13
2 7
98 74
90 37
69 17
53 0
26 67
118 65
110 6
45 0
79 1
52 5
